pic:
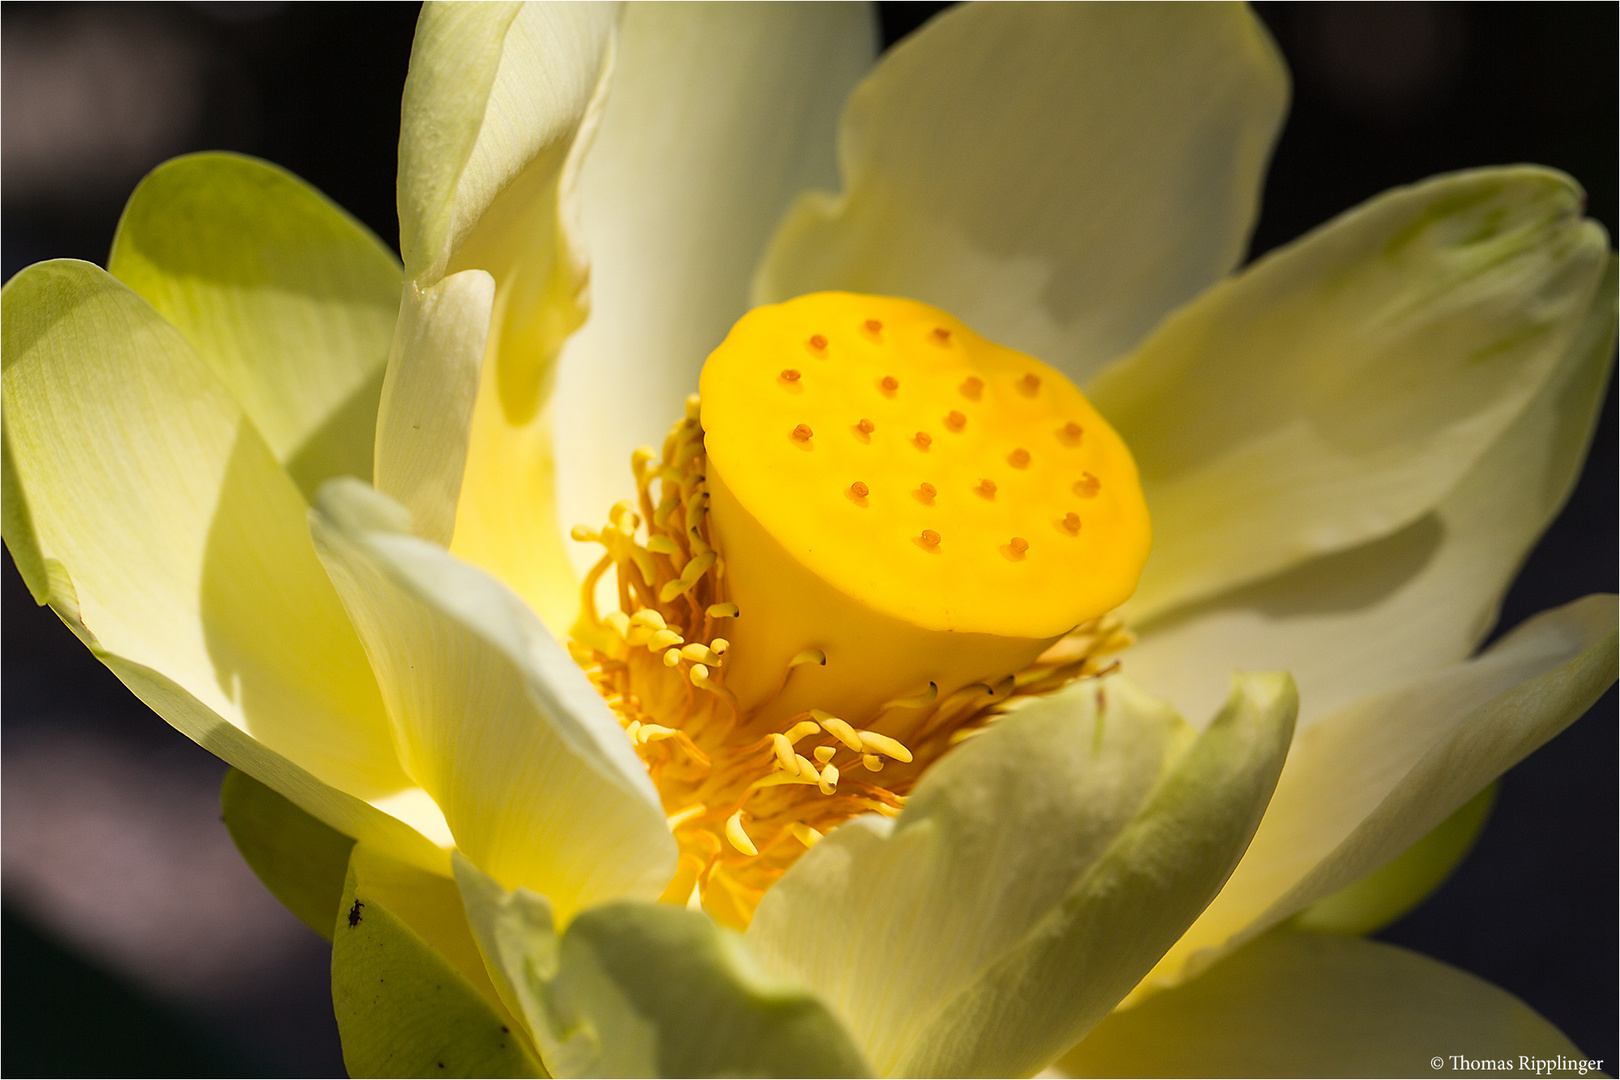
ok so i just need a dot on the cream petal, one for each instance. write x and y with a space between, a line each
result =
1294 1004
1035 873
285 296
1058 175
491 716
406 930
1360 621
499 108
493 89
638 989
719 114
1364 783
1336 390
425 417
145 508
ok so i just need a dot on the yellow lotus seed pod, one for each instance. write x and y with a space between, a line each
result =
918 503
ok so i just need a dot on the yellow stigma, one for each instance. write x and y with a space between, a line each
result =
919 504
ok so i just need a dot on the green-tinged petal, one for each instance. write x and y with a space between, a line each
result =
1365 783
300 859
289 299
718 115
1058 175
1058 855
499 107
1361 621
492 89
1295 1004
1371 903
425 416
408 984
491 716
638 989
152 517
1335 391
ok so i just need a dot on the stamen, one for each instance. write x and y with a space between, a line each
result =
804 833
872 762
800 730
721 611
738 838
783 746
676 820
829 780
874 743
825 754
808 656
838 729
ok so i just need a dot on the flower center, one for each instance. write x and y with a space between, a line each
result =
918 529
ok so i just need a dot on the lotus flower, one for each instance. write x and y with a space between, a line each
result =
807 803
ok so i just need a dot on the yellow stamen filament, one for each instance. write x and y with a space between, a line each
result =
825 754
738 838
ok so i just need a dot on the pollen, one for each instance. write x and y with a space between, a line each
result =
1019 458
930 538
866 427
859 490
873 326
923 440
972 387
1030 384
889 384
940 336
1071 434
1087 486
955 420
818 342
986 487
1071 522
1019 545
802 433
789 375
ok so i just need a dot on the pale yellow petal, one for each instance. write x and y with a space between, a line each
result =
1336 390
492 88
1354 623
1035 872
1294 1004
1364 783
425 417
1059 176
538 783
285 296
145 508
498 111
409 989
718 115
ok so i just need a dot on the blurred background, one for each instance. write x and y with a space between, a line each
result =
136 942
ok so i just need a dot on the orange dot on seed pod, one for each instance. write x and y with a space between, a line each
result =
1019 545
930 537
859 490
818 342
955 420
940 335
1029 384
790 375
866 427
889 384
923 440
873 326
803 433
987 488
972 387
1019 458
926 492
1087 486
1071 432
1071 522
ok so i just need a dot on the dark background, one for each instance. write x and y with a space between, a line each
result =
105 972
